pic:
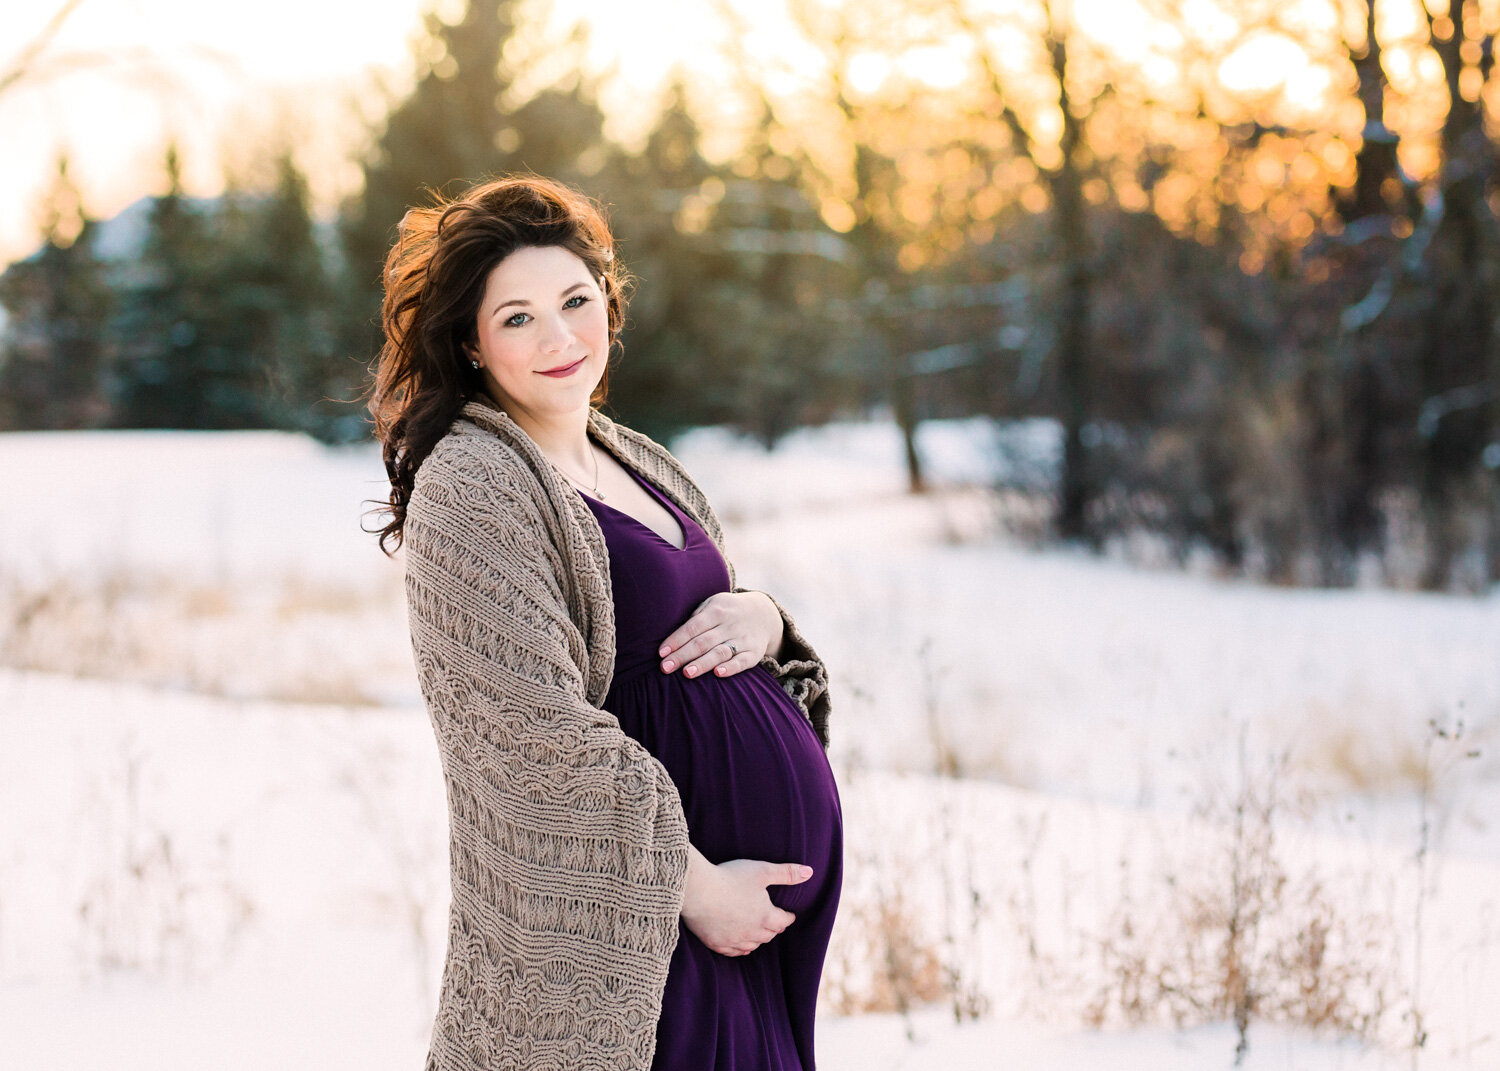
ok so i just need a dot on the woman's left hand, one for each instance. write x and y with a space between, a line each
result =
747 621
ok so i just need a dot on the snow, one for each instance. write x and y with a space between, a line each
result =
221 610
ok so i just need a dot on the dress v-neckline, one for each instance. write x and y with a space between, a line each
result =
667 505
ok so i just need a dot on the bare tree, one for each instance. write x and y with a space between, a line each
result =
1064 182
859 168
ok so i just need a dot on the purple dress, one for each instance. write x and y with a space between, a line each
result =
754 783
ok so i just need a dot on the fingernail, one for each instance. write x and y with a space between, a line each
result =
807 872
668 664
663 649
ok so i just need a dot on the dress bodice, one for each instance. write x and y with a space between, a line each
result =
655 593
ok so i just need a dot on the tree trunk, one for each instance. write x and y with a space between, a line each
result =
1074 356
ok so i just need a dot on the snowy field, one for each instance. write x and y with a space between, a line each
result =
1090 807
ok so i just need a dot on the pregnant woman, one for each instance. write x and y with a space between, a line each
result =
645 833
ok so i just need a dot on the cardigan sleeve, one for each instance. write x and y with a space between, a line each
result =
562 824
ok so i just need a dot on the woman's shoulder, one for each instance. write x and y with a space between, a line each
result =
476 466
464 451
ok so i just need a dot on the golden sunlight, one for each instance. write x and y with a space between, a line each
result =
304 74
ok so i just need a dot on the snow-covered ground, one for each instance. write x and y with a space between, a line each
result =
223 843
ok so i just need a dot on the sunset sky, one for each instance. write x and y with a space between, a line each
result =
229 81
226 80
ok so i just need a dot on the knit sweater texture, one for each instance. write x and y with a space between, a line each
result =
568 846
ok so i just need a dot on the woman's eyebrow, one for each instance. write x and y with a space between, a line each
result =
523 301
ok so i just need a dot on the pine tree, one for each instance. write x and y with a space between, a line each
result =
319 384
58 304
448 131
738 318
789 292
662 196
275 300
457 128
166 368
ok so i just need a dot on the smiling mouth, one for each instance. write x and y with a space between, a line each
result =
565 369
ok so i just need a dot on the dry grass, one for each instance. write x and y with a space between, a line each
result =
1359 759
882 958
1216 920
1214 917
1224 928
890 951
1217 945
289 638
1025 516
961 715
148 906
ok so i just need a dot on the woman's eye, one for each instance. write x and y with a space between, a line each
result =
518 319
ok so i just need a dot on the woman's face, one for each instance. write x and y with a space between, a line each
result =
543 336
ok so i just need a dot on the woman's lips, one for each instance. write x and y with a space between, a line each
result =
568 370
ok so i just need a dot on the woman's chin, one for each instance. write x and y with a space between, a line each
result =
550 399
564 400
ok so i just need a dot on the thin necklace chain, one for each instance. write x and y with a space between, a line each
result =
595 489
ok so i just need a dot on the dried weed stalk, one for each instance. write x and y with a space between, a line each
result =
1227 932
144 906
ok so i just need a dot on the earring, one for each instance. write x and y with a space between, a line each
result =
475 364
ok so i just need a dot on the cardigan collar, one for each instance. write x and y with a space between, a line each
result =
637 453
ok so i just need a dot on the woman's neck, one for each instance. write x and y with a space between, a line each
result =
563 438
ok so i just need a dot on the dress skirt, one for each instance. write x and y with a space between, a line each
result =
755 784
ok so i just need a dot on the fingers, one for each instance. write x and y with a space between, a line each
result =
704 617
771 930
701 632
739 948
749 944
725 634
724 659
758 919
712 649
787 873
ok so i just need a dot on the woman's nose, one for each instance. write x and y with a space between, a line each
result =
554 335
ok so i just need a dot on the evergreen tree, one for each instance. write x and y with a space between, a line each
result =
448 131
739 315
660 195
166 366
277 307
58 303
782 312
454 129
304 369
225 317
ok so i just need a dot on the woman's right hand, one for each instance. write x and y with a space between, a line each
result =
727 906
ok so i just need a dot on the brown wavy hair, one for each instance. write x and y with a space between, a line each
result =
434 279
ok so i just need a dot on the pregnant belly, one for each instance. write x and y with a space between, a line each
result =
754 781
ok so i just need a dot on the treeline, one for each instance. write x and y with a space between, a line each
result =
1261 338
225 314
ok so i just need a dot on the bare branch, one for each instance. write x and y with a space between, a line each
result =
22 65
995 83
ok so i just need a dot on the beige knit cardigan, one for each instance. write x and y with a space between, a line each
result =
567 842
